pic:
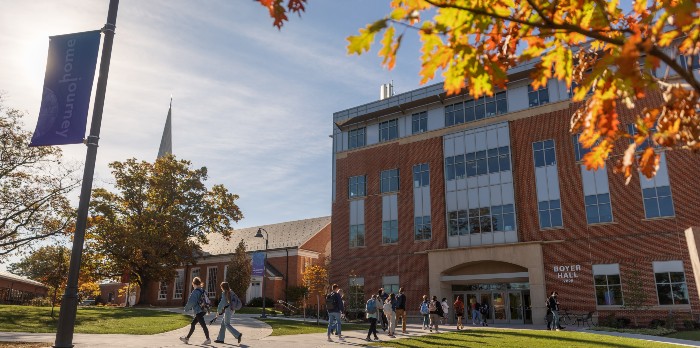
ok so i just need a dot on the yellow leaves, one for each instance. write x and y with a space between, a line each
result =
649 162
665 39
595 159
389 48
358 44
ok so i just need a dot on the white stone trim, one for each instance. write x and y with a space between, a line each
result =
485 276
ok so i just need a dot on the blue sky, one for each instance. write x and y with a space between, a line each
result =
251 103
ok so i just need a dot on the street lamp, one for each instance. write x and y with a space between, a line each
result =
259 235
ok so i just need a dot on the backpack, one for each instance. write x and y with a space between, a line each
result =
371 306
331 302
440 311
424 308
477 306
432 307
204 302
484 309
236 303
387 307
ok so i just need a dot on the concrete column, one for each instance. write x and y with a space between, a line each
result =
692 235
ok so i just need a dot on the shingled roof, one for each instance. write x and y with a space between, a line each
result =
282 235
19 279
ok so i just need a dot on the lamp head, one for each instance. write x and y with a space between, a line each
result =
259 234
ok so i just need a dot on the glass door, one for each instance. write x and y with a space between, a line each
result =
527 305
498 301
486 301
515 305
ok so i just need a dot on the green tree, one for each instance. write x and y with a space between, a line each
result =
155 219
635 295
48 265
595 44
239 271
33 186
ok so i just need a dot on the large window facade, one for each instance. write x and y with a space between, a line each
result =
671 286
357 223
477 163
390 284
388 130
472 110
537 97
656 192
419 122
390 219
608 288
357 186
357 138
389 181
356 293
179 284
547 182
212 281
422 225
163 291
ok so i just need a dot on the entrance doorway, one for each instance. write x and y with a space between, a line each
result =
504 302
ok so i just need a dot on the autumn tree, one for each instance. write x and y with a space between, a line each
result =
33 186
597 46
315 279
239 271
155 219
636 296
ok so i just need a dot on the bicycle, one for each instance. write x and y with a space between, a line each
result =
566 318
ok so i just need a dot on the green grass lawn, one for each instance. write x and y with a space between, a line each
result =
519 338
282 327
686 335
100 320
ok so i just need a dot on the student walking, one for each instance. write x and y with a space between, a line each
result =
390 312
227 305
425 312
401 310
553 305
382 296
334 306
435 310
196 303
445 310
372 310
459 312
476 312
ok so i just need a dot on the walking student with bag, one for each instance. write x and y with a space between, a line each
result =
390 312
401 310
435 310
199 303
425 312
372 310
334 306
228 304
459 312
382 296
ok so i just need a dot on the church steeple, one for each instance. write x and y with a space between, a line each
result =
166 142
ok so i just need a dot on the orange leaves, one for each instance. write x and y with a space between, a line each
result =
277 11
358 44
389 48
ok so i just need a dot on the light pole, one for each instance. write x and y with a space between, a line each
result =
259 235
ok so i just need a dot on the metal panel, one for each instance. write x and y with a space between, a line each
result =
484 197
386 208
372 134
462 203
492 138
436 118
541 184
517 99
496 196
393 201
553 182
588 179
426 200
480 141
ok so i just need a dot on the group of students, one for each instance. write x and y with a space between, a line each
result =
479 312
199 302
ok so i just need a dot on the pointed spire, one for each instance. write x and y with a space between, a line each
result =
166 142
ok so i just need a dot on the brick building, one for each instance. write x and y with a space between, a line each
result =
293 246
16 289
487 199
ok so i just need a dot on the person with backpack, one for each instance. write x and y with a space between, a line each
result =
390 312
382 296
484 310
459 312
445 310
199 303
425 312
228 305
553 305
372 311
401 310
435 310
334 306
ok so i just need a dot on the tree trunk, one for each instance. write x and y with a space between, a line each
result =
53 301
318 308
144 289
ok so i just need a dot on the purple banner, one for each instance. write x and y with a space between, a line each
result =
258 264
70 70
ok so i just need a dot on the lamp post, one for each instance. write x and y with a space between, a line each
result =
259 235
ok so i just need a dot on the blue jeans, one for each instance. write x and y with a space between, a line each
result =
226 324
426 320
555 319
333 321
476 317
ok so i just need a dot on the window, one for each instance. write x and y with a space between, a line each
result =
608 288
389 130
503 217
356 138
658 202
472 110
671 287
537 97
550 214
163 291
544 153
480 220
389 181
458 223
421 175
390 232
632 130
547 181
357 186
179 282
486 219
390 284
357 235
420 122
477 163
598 208
211 282
579 150
694 61
356 293
423 230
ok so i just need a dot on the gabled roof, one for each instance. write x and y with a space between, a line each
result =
19 279
289 234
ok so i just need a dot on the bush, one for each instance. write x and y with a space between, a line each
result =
656 323
614 322
258 302
689 324
660 331
670 321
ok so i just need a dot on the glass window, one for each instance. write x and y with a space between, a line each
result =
537 97
598 208
357 235
356 293
179 284
671 288
632 130
658 202
473 110
357 186
163 291
550 214
389 180
503 217
544 153
579 150
608 290
390 284
356 138
420 122
211 282
389 130
423 230
390 232
421 175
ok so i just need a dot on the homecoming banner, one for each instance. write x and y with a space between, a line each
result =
258 264
70 69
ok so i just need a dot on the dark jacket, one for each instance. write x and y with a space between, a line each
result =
401 301
553 304
339 304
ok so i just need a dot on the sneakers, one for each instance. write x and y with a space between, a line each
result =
218 341
329 338
376 338
207 341
239 338
368 339
184 339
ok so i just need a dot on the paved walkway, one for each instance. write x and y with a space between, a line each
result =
256 334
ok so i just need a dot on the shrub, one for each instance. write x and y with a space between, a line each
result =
623 322
656 323
670 321
689 324
258 302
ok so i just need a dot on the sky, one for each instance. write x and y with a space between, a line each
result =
251 103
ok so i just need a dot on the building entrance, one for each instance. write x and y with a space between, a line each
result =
504 302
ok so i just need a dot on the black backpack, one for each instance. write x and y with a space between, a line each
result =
331 302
